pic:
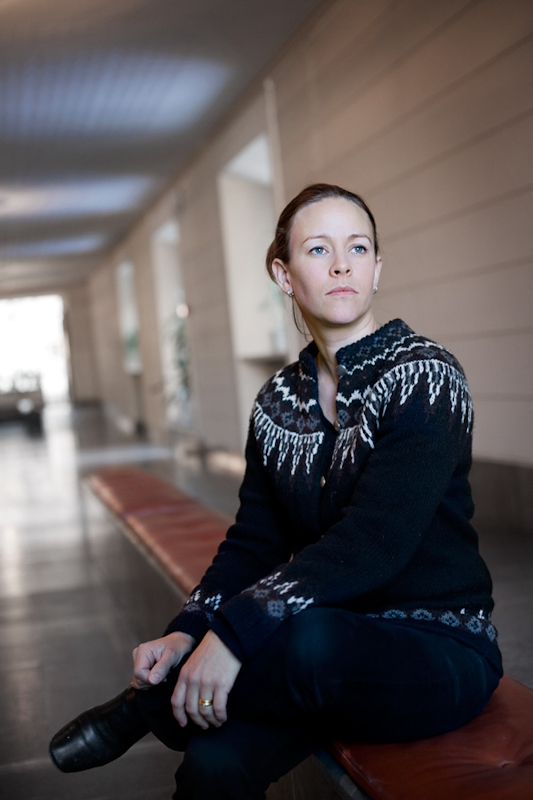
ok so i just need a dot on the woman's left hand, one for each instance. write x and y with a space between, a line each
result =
209 674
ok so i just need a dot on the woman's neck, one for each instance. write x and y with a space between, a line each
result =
326 366
330 342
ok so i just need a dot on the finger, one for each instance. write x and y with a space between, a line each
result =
140 683
144 656
143 661
178 702
141 670
220 706
208 712
200 715
137 681
160 670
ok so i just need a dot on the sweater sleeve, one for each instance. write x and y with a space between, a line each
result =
417 447
254 545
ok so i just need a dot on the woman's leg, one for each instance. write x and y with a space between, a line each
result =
239 760
349 675
367 678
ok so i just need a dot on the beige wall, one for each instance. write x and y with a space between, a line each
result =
204 278
116 388
84 386
214 382
425 108
130 399
255 304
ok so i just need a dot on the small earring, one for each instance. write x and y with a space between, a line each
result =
375 289
290 294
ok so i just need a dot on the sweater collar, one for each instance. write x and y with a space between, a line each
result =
370 349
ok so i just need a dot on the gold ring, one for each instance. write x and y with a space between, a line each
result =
205 703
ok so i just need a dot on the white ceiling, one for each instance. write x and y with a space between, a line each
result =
101 103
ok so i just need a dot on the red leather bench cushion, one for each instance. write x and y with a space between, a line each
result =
184 541
490 758
180 533
125 489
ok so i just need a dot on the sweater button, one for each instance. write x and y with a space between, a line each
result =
336 425
322 482
341 370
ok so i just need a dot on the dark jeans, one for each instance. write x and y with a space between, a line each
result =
324 673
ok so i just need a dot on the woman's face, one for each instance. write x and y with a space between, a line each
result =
333 268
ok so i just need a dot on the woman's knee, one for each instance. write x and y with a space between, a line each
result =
212 755
215 766
312 636
310 655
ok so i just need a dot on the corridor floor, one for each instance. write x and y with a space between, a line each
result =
64 644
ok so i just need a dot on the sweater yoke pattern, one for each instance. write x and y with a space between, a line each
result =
287 418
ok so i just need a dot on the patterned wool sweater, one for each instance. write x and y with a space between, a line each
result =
370 515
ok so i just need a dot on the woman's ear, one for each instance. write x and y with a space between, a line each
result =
377 270
281 275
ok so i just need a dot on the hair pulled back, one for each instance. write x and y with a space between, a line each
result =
280 247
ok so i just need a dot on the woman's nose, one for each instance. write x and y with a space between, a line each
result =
341 266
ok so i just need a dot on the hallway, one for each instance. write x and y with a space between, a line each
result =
63 643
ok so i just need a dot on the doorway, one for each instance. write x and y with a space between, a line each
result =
172 316
256 304
33 359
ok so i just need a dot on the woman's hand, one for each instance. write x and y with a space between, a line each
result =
209 674
152 661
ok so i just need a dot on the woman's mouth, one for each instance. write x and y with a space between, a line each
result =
342 290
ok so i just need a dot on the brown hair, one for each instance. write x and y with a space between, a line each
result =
280 247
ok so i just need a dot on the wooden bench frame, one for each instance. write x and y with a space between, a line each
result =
490 758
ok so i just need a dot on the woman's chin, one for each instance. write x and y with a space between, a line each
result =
346 319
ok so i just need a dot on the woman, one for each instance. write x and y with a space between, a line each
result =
349 597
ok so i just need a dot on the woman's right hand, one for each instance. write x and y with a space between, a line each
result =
152 661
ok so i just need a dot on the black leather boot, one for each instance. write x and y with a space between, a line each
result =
99 735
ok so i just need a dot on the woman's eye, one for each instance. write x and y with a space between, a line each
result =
359 249
318 250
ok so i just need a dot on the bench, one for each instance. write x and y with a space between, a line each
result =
490 758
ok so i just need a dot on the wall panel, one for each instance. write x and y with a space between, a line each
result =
457 50
503 430
427 110
84 380
117 391
472 176
492 375
498 302
457 119
491 237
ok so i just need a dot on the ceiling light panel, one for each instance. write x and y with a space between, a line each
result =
48 248
104 94
74 197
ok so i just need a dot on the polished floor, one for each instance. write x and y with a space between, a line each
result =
65 645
